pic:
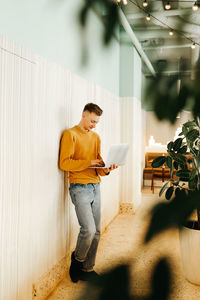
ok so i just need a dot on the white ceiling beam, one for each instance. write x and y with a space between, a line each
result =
167 47
175 23
156 33
168 73
135 41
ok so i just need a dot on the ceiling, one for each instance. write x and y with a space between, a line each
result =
153 35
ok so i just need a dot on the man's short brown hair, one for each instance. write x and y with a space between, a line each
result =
91 107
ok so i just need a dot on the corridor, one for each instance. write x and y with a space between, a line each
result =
122 243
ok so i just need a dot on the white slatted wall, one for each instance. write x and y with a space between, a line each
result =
132 132
38 100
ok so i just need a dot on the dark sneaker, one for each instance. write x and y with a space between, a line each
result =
87 276
75 269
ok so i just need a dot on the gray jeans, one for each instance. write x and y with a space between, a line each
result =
87 201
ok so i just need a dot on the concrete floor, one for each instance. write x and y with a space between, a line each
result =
122 243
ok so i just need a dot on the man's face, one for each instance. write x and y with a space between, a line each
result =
90 120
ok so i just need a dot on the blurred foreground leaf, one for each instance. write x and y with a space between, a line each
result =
161 281
107 11
162 97
172 214
111 285
115 284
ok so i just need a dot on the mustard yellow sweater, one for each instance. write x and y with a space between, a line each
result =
77 150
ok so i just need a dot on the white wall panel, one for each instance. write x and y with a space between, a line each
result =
109 130
16 88
131 132
38 226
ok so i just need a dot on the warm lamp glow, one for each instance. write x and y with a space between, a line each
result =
168 6
155 147
148 18
145 3
151 140
195 6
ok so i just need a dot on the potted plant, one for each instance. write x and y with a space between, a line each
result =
183 160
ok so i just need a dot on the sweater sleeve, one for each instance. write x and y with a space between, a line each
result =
66 161
100 172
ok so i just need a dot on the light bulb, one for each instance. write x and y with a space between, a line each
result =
148 17
168 6
171 32
145 3
193 46
118 1
195 6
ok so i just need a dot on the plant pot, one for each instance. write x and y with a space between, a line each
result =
190 251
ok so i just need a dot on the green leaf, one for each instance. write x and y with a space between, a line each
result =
181 133
177 190
178 157
169 161
197 120
197 161
183 173
192 174
189 124
177 144
169 192
163 189
186 179
170 146
158 161
183 150
175 165
192 135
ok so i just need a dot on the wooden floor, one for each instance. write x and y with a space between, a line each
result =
123 243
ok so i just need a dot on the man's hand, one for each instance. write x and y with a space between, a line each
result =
97 163
112 167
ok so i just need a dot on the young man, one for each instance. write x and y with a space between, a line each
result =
80 149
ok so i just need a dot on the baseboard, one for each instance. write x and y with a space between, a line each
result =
47 283
126 208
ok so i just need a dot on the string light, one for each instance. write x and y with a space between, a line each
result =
125 2
145 3
193 45
168 6
148 17
195 6
171 32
